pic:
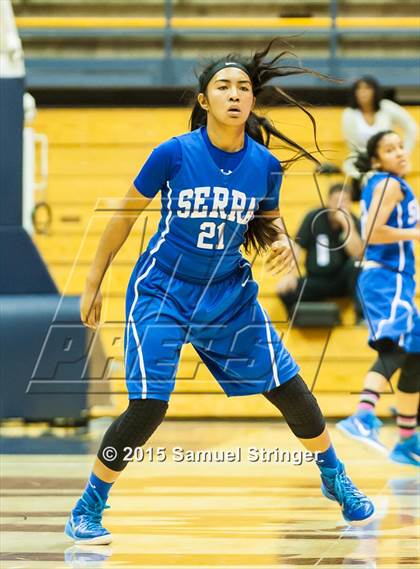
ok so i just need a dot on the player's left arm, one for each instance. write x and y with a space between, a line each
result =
284 252
353 243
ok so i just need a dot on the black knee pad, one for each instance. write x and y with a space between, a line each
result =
384 345
409 381
299 408
389 361
131 429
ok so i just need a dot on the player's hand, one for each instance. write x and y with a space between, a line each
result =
90 306
280 259
287 284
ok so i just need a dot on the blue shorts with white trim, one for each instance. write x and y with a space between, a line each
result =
223 321
387 298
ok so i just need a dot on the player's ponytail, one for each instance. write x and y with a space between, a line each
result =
260 233
363 162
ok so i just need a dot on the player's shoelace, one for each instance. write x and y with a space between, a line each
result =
376 424
347 491
371 422
91 512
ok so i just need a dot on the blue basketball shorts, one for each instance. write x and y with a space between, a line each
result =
387 298
223 321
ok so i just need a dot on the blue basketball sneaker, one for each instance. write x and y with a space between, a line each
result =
407 452
357 509
84 524
363 426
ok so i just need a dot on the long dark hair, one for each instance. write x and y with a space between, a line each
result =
377 92
363 162
261 233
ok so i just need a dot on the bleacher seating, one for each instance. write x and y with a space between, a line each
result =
98 39
94 156
287 8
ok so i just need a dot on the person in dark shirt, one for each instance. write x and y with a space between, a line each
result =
331 238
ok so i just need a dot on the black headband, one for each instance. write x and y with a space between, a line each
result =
206 77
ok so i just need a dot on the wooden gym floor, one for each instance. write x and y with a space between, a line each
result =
176 513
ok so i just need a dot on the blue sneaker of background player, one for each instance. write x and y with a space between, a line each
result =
357 509
407 451
363 426
84 525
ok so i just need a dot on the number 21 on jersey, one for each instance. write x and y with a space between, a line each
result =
211 235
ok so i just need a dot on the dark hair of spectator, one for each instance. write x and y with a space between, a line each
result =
377 92
338 188
363 161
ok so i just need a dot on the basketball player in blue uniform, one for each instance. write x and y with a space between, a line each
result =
390 224
219 186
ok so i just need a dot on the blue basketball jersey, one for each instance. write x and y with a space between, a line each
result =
397 256
205 211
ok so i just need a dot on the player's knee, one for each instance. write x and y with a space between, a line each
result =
132 429
390 358
409 381
299 408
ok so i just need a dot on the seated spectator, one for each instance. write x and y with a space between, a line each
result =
331 238
367 114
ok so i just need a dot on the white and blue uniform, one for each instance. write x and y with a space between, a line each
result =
192 283
387 284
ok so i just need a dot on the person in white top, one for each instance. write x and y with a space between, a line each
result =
368 114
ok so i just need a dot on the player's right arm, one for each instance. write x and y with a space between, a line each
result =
386 197
161 165
113 238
